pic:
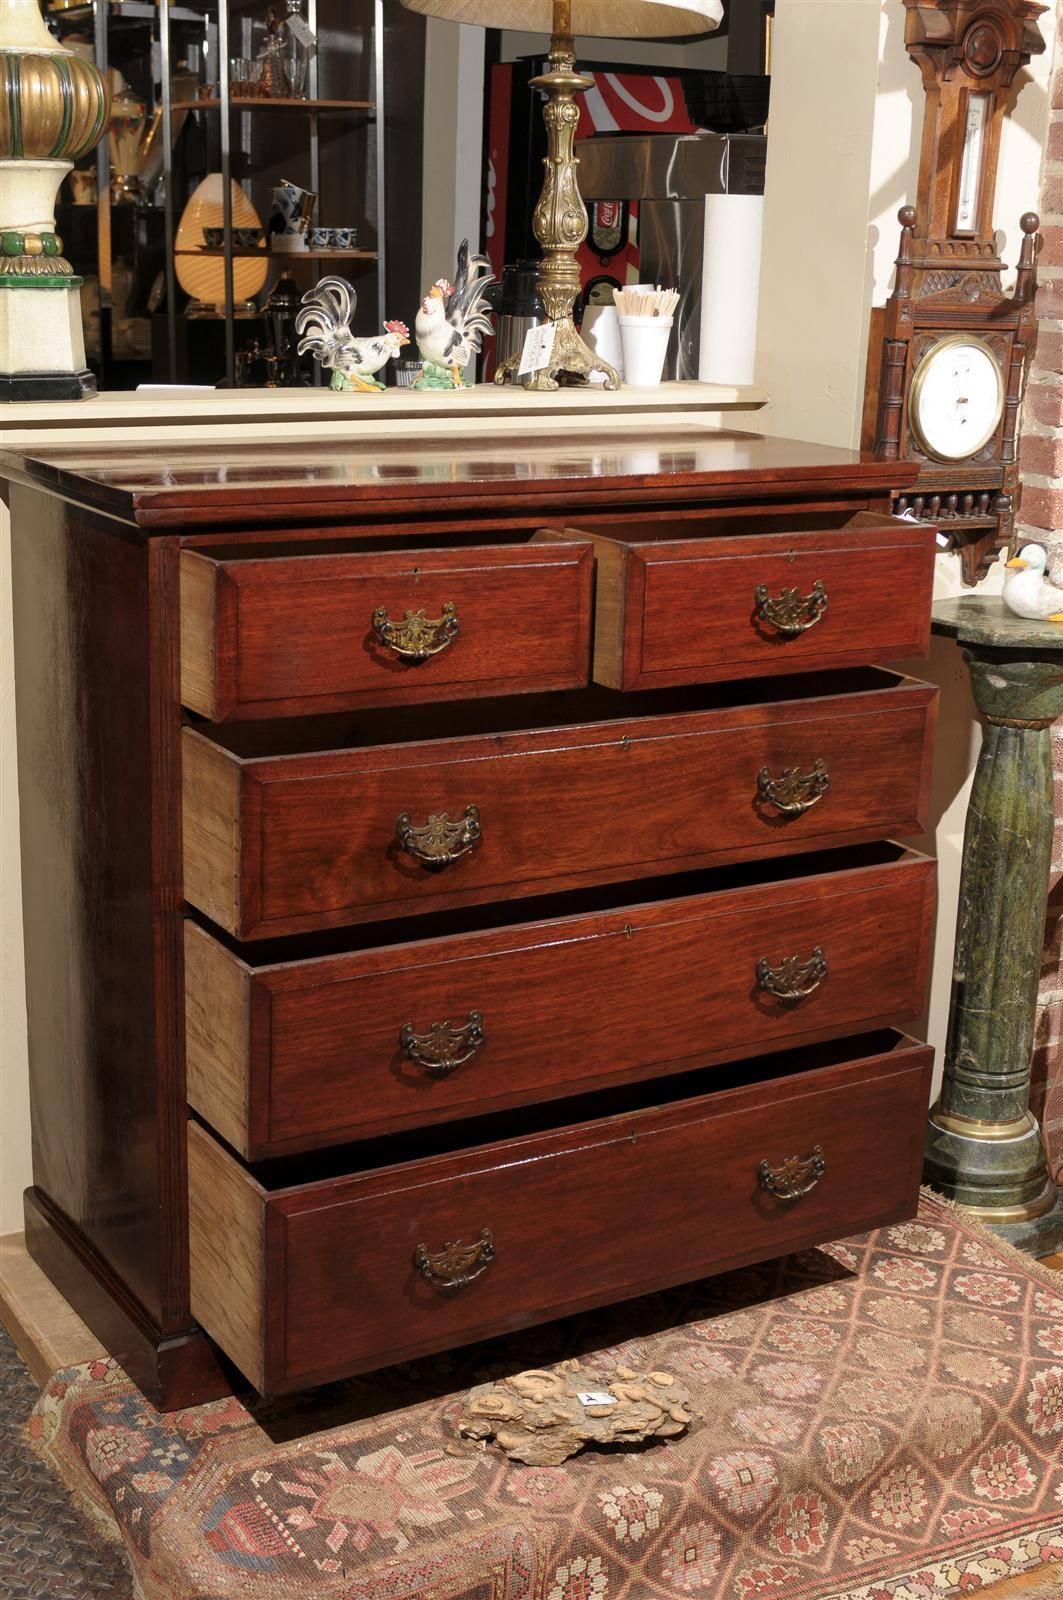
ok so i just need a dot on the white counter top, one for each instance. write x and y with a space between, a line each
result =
324 413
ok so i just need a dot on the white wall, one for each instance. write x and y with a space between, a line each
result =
835 182
453 144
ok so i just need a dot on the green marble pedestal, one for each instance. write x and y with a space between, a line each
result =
984 1148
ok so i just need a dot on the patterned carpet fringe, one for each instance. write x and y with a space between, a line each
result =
880 1419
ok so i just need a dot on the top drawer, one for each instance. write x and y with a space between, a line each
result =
683 602
288 634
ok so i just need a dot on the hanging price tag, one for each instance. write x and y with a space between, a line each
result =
300 30
538 348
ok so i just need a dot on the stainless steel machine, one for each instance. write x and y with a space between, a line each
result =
670 175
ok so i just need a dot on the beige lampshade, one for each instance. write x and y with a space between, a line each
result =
599 19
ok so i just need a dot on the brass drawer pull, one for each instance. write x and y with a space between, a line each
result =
443 1048
796 1176
416 637
793 979
457 1264
439 841
793 791
791 613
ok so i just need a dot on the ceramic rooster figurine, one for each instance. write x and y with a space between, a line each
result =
452 322
324 328
1028 590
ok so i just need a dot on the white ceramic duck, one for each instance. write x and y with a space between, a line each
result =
1028 590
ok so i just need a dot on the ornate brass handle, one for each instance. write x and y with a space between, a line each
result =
458 1264
793 979
791 613
793 791
439 841
417 637
796 1177
443 1048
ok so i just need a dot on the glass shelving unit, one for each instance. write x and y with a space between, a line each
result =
237 120
330 143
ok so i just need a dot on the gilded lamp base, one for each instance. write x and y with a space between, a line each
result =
560 221
570 358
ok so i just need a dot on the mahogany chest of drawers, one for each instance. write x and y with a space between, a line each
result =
458 889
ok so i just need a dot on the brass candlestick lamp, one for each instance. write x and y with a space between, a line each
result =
560 219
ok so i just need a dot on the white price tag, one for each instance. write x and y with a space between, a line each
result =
596 1397
300 30
538 348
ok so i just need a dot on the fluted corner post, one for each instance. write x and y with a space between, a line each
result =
984 1147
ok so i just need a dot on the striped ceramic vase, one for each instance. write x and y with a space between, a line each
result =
53 108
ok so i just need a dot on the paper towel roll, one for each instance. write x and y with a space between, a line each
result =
730 280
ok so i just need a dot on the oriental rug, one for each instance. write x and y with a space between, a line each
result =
880 1419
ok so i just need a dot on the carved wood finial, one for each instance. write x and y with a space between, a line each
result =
902 282
1025 275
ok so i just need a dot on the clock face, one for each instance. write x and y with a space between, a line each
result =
956 399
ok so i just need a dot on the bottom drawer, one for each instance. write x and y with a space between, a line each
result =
309 1272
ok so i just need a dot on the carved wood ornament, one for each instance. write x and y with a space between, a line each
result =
948 270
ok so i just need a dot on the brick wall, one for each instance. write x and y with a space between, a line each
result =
1041 518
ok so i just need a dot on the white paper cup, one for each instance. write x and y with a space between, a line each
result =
644 341
601 333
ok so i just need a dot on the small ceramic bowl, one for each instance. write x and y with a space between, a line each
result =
320 238
214 238
247 238
344 238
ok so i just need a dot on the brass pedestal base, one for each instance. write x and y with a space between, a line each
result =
570 357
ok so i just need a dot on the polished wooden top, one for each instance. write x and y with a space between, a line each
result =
218 484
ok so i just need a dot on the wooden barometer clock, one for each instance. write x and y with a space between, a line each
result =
948 351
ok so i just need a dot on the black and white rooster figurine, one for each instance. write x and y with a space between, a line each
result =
324 328
452 322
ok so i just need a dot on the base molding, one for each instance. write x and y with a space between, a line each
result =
24 386
173 1370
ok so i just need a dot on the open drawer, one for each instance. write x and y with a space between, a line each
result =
678 602
315 823
279 633
307 1273
409 1024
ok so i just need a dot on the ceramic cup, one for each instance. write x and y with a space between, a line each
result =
289 217
214 238
247 238
320 238
644 341
344 238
